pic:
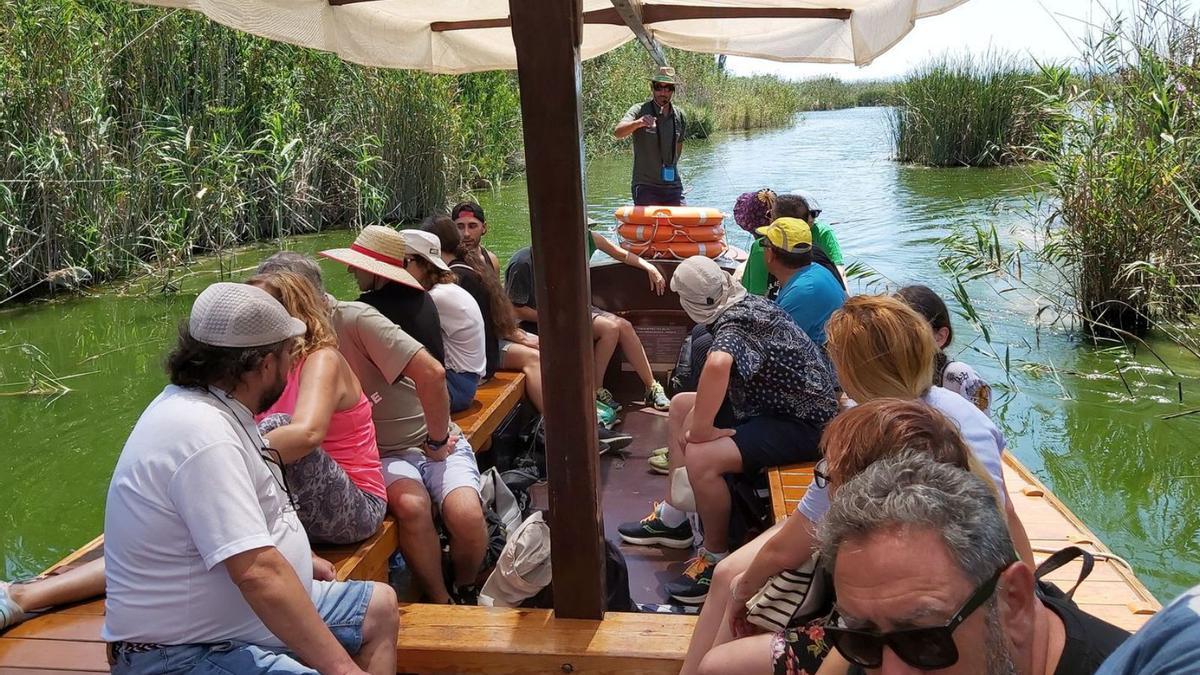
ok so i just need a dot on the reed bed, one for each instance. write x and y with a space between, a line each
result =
1117 247
967 111
135 137
1123 147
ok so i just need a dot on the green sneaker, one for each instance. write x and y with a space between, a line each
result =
605 396
605 415
659 464
659 451
656 397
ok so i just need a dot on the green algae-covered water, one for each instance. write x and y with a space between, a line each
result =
1098 441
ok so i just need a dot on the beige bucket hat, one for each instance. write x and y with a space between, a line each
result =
379 250
523 568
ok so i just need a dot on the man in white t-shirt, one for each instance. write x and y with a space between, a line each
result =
207 566
463 332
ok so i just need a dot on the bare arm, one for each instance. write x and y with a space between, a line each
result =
429 377
1019 537
626 128
273 591
678 151
788 549
320 390
710 393
834 664
657 283
525 313
495 261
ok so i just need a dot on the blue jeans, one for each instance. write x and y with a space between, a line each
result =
342 606
462 388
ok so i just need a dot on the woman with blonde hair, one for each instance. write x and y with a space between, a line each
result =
880 348
320 429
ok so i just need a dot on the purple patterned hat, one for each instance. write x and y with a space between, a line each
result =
753 209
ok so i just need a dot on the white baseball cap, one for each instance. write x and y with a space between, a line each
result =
426 245
240 315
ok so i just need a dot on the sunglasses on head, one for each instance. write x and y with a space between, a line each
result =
929 648
813 213
658 86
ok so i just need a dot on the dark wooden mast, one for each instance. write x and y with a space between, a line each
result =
547 34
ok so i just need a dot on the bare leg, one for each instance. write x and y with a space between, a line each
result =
707 464
712 620
635 353
463 514
80 583
409 502
528 361
606 334
380 630
678 421
747 655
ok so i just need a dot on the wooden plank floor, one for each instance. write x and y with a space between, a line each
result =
1112 592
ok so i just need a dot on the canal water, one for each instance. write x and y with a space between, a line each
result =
1089 422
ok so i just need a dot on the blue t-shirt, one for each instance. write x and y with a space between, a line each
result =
1169 643
811 296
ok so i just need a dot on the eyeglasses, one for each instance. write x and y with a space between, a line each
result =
658 86
272 457
820 478
929 648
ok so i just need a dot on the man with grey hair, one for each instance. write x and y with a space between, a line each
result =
915 548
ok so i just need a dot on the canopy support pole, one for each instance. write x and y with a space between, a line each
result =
633 19
547 35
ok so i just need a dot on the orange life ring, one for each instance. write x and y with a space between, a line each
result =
642 234
676 249
680 216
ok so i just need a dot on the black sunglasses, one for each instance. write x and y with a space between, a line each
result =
271 456
663 87
929 648
813 213
820 478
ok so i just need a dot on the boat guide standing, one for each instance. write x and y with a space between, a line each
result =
658 128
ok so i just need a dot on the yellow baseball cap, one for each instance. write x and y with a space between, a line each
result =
788 234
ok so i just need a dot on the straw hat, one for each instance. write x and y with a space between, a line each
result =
665 75
379 250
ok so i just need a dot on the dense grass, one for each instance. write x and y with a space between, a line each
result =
1125 160
967 111
132 136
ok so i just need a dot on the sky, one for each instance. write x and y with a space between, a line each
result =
1043 29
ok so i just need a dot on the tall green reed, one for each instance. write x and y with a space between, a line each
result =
1124 154
966 111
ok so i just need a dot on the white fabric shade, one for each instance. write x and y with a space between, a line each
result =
403 33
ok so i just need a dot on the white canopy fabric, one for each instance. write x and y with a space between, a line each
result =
445 36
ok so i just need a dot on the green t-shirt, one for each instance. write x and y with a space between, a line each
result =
824 237
754 277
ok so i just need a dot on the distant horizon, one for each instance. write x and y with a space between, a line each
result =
1037 30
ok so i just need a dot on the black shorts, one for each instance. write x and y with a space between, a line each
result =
768 441
658 195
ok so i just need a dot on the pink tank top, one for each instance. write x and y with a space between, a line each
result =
350 439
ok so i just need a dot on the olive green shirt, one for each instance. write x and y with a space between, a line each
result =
655 148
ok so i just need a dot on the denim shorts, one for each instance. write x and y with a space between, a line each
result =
341 604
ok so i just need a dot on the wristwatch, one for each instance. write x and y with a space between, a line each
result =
431 442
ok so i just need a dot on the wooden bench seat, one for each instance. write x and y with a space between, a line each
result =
788 485
493 401
445 638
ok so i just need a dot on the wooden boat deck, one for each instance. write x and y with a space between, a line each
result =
1112 592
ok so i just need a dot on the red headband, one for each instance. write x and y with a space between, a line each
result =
377 256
